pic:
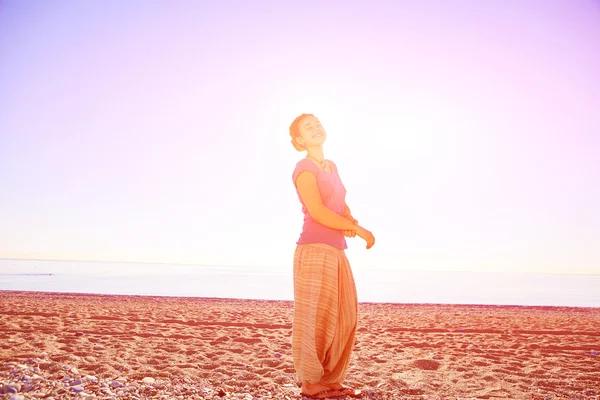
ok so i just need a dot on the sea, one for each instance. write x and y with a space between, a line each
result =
269 283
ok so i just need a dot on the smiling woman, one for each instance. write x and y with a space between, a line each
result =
307 131
325 298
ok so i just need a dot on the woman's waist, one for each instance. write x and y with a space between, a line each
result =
321 246
315 233
312 226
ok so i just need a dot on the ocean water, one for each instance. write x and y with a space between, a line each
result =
277 283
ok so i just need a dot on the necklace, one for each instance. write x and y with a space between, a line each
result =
323 163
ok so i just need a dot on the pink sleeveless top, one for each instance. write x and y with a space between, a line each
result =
333 195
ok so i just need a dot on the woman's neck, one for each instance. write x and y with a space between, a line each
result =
316 153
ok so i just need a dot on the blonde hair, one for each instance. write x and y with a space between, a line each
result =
295 131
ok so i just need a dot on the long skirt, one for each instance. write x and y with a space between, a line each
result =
325 313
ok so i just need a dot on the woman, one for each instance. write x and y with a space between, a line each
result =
325 301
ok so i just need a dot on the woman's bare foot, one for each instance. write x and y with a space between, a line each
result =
313 388
343 390
335 386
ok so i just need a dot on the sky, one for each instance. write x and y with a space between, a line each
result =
467 133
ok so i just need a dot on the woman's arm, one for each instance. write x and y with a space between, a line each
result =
307 186
348 215
347 212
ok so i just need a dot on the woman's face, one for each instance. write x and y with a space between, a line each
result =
312 132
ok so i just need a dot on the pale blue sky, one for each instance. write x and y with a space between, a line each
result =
467 133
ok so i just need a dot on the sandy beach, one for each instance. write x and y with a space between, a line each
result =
58 345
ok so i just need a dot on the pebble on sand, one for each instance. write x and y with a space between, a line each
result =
148 380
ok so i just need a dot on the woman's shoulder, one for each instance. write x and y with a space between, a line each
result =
305 165
304 161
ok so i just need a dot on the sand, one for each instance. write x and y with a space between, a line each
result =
229 348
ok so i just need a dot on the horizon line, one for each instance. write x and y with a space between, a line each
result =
272 266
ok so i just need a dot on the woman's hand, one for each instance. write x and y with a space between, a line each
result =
367 235
352 233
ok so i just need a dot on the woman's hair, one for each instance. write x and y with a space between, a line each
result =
295 131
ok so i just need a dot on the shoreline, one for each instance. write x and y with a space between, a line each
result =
177 297
105 345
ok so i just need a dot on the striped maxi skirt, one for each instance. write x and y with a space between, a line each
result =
325 313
